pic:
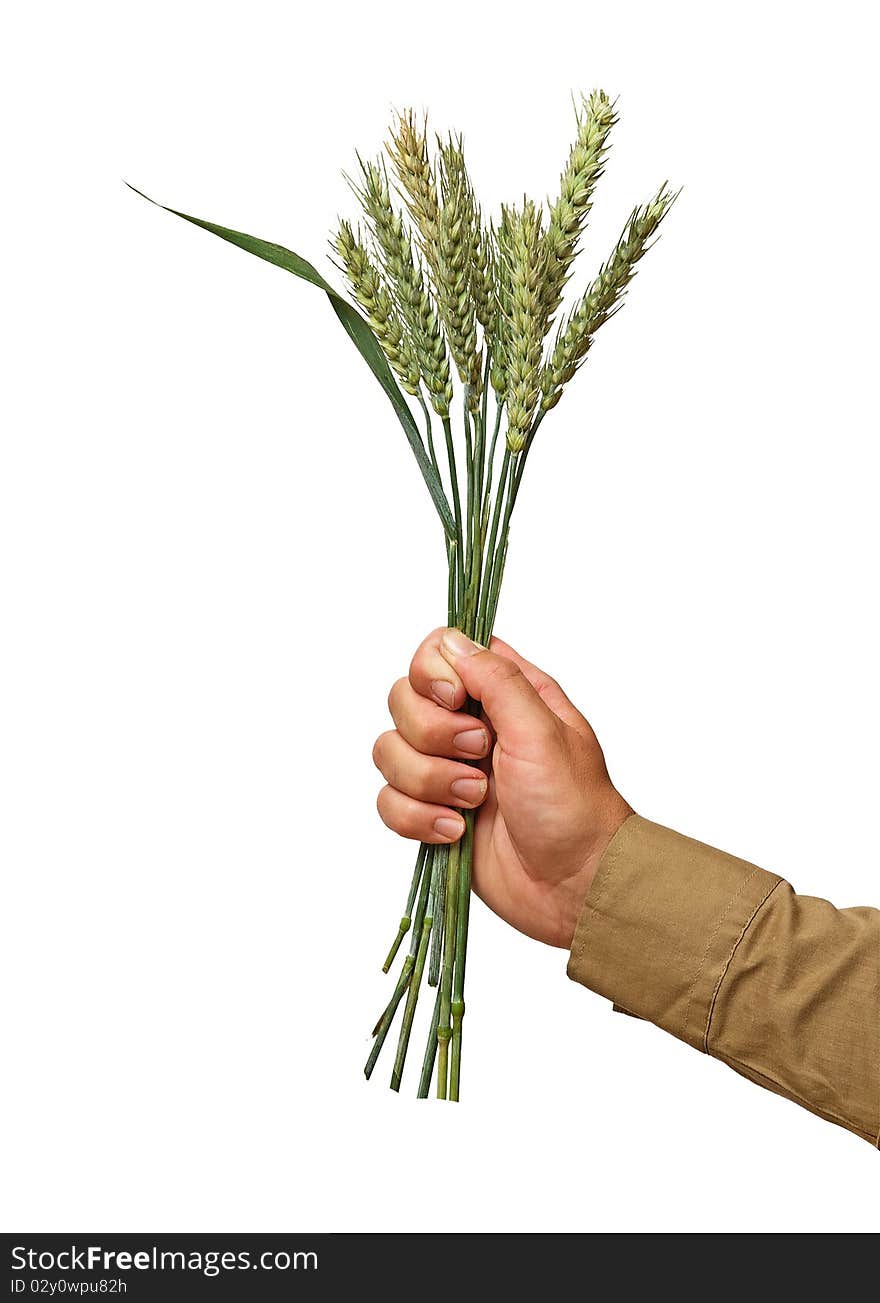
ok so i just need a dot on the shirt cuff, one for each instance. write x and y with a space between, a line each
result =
661 923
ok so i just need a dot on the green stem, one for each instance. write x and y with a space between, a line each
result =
442 879
496 589
429 436
491 546
456 504
525 452
426 908
406 921
444 1029
383 1026
430 1052
480 426
461 935
451 552
441 854
380 1031
412 996
494 585
517 470
476 558
487 494
470 467
484 406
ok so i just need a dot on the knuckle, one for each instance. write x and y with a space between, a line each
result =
380 749
547 686
412 824
413 674
424 649
395 695
417 782
421 736
500 669
394 814
411 731
422 731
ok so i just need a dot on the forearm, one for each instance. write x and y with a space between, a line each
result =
783 988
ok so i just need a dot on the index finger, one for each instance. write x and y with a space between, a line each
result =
433 677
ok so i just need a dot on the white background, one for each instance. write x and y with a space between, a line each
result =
217 555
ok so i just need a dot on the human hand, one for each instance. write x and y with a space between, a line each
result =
547 808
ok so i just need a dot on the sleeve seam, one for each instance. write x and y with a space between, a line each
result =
726 966
722 916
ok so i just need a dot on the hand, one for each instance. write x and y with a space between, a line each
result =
547 808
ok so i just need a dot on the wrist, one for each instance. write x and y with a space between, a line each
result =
614 814
604 826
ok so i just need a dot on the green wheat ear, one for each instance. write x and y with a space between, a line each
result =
603 298
408 151
527 319
457 251
405 275
373 295
569 212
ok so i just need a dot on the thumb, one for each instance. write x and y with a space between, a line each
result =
516 712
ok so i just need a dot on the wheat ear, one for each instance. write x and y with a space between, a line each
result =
603 298
500 235
455 259
408 151
526 322
569 212
407 281
374 297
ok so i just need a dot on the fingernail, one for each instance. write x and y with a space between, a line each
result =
443 692
456 643
469 790
474 741
450 828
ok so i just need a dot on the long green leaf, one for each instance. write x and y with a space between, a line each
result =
355 326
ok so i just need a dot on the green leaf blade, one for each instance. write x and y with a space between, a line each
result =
355 327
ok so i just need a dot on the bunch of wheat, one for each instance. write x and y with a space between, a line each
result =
442 292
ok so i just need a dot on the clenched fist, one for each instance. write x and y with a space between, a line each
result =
529 762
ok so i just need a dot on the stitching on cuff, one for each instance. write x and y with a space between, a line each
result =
736 895
611 859
760 905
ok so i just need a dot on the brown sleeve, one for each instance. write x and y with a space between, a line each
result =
783 988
